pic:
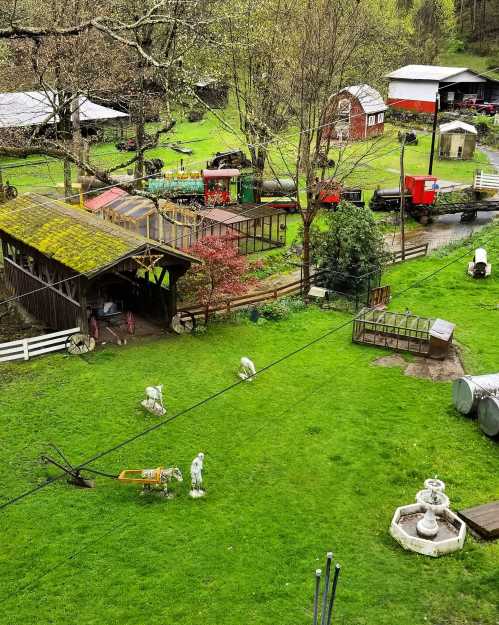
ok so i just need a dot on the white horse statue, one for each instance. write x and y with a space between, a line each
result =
154 400
197 476
247 370
166 476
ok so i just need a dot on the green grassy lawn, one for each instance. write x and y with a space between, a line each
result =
315 455
209 136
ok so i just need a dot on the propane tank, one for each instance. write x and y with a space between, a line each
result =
469 390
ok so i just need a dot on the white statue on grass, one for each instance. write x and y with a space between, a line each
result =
154 400
247 370
197 476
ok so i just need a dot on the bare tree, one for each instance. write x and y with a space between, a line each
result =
95 50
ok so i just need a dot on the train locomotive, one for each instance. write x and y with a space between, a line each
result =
419 193
222 187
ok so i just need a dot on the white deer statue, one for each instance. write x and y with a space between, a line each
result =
154 400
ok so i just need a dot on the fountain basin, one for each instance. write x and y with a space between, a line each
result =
450 537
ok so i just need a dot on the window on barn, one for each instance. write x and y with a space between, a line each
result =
381 117
371 120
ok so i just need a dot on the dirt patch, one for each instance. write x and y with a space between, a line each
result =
436 370
426 368
395 360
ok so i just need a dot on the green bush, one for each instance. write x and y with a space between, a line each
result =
281 308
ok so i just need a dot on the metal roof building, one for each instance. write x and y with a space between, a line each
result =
34 108
415 87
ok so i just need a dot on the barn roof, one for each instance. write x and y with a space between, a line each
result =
370 99
73 237
32 108
430 72
457 125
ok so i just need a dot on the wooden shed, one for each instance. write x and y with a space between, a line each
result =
403 332
355 113
64 263
457 140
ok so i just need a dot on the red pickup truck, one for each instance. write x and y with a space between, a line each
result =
479 105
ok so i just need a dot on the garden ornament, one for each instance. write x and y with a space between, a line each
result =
197 476
154 400
247 370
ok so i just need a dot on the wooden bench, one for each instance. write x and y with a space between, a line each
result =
483 519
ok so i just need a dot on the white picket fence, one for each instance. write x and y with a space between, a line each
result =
24 349
486 181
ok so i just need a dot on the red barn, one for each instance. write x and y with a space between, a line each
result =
355 113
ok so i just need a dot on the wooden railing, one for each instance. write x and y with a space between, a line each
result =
486 181
24 349
247 300
287 289
410 252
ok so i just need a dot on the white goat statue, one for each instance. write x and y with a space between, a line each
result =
197 476
154 400
247 370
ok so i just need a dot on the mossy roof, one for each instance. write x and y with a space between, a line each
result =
73 237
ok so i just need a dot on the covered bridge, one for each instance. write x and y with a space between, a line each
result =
65 264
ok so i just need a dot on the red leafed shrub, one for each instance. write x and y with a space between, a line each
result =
221 275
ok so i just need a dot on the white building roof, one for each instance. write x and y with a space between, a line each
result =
457 125
370 99
32 108
429 72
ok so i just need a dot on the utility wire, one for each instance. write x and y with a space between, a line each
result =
222 391
125 523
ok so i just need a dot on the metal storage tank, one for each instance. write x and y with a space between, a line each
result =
467 391
488 415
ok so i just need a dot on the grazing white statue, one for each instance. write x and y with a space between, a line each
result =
247 370
197 476
154 400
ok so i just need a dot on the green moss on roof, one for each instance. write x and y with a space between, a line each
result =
70 235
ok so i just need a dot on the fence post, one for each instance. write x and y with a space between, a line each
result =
25 349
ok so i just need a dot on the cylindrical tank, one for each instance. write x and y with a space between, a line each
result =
176 186
488 415
467 391
278 187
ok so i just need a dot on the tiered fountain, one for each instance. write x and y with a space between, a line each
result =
429 526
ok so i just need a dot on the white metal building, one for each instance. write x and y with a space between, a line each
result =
415 87
34 108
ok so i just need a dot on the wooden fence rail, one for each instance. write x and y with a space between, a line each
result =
486 181
24 349
287 289
410 252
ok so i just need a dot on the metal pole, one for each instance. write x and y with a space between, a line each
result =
318 573
329 558
337 569
402 199
2 192
433 133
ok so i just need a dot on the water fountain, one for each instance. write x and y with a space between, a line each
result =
429 527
